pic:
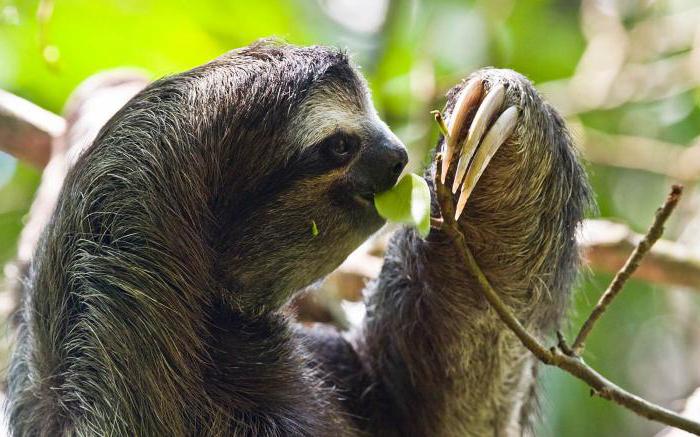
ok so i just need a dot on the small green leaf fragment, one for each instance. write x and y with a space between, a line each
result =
314 228
407 202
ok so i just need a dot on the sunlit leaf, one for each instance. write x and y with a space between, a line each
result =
407 202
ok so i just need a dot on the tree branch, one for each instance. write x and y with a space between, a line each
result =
691 409
652 235
26 130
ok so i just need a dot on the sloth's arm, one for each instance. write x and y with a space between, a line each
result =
432 358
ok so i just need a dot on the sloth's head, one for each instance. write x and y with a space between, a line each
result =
284 149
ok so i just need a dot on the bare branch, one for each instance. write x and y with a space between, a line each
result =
692 409
654 233
26 130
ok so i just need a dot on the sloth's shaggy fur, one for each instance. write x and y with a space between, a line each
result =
431 336
153 303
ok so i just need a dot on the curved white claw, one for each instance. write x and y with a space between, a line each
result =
468 98
489 107
496 136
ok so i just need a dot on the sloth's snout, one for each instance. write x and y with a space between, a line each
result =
384 162
398 163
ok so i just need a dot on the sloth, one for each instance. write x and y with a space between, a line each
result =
155 301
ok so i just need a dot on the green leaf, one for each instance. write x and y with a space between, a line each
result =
407 202
314 228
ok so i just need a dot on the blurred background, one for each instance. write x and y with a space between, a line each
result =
625 73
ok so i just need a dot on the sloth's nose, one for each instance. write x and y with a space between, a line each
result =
386 161
397 161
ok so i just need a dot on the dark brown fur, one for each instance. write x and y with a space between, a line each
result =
153 302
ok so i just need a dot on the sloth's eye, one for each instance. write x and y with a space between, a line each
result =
340 147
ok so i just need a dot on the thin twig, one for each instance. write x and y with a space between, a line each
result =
451 228
563 345
652 235
572 364
441 123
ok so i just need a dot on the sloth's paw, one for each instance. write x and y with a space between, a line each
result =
481 121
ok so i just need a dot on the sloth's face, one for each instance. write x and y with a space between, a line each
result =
321 204
350 152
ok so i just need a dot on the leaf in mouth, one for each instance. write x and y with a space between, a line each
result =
407 202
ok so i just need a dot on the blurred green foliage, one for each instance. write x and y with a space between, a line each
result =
420 50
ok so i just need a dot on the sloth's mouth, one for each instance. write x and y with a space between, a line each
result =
365 200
